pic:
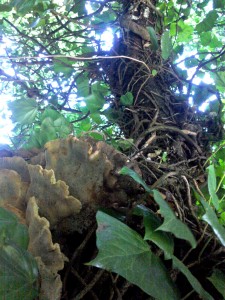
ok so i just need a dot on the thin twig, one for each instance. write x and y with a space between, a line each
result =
79 58
190 202
89 286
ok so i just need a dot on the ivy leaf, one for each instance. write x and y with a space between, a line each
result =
127 99
191 62
212 186
96 117
166 45
123 251
18 274
24 111
218 4
23 7
211 218
94 102
192 279
151 222
172 223
206 38
79 8
185 32
208 22
83 88
11 230
63 65
5 7
153 37
99 136
218 280
124 144
136 177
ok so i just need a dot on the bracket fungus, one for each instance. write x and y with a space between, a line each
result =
60 190
52 196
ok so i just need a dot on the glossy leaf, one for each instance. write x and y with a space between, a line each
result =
24 111
171 223
208 22
185 32
5 7
192 280
23 7
151 222
211 218
153 38
63 65
136 177
11 230
166 45
124 144
18 274
83 88
127 99
123 251
191 62
205 38
212 186
94 102
218 4
99 136
218 280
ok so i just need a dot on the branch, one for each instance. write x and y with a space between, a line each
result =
79 58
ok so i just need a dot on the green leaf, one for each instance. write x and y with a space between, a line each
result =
18 274
205 38
11 230
192 280
191 62
123 251
5 7
166 45
50 113
23 111
208 22
154 72
63 65
83 88
218 4
124 144
79 8
153 37
23 7
218 280
151 222
185 32
136 177
211 218
62 127
212 186
172 223
96 117
95 102
47 131
127 99
173 29
97 136
85 125
219 78
35 22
